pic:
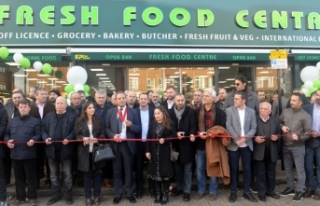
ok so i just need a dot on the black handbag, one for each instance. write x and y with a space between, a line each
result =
174 154
103 153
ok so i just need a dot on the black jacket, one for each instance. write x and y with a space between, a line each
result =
76 111
165 164
165 104
220 120
258 151
48 129
3 126
185 147
81 131
21 130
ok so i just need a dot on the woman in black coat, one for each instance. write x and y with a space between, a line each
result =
89 128
160 167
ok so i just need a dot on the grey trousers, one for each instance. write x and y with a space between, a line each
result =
294 154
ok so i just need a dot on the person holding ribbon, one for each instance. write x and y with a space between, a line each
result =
158 152
89 128
123 122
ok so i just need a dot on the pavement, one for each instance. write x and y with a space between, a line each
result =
107 195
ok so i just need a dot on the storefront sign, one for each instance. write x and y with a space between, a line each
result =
307 57
168 57
206 23
36 57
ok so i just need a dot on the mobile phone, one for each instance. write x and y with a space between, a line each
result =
204 133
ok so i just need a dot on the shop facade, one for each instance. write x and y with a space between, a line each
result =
148 45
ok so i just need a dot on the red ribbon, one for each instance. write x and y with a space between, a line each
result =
122 117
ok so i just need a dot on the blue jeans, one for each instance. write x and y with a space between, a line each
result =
87 179
312 153
201 174
234 157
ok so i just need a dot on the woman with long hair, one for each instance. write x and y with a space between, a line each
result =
160 167
89 128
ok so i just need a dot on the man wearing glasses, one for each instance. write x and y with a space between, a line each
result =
241 85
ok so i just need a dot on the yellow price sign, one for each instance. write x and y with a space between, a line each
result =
278 54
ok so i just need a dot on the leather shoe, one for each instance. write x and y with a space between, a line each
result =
53 200
186 197
249 196
262 198
274 195
116 200
139 195
176 193
132 199
308 193
233 197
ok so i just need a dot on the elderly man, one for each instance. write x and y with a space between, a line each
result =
242 126
75 106
208 116
59 153
26 129
155 100
265 151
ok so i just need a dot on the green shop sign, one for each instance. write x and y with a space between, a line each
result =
36 57
307 57
168 57
188 23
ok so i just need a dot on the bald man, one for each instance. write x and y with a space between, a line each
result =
58 126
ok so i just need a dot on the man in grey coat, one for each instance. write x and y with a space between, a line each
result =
242 126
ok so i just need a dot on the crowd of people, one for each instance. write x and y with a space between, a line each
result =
207 136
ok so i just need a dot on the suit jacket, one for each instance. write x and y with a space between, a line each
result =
312 141
151 118
188 124
48 107
113 127
234 126
258 152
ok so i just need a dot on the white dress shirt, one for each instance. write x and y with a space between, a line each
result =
242 121
170 104
123 134
40 109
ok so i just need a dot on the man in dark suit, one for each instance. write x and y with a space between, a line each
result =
39 109
171 93
312 146
145 114
123 122
242 126
265 151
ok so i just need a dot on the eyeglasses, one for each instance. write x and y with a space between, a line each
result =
237 84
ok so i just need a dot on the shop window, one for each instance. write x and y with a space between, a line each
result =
267 81
150 83
134 83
